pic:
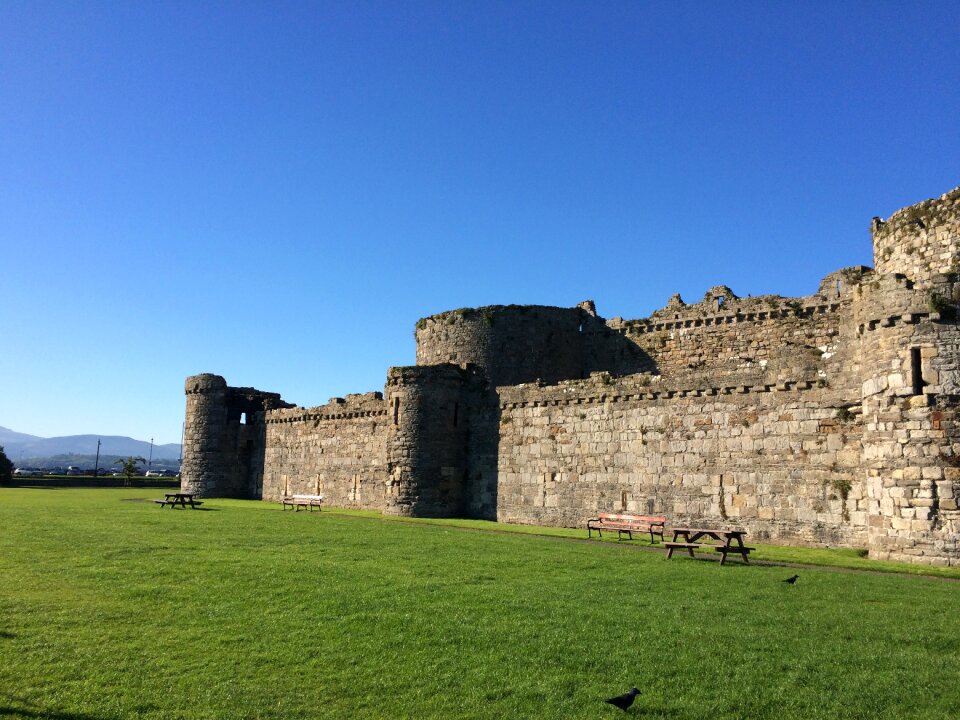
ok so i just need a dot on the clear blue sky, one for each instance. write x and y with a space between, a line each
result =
276 192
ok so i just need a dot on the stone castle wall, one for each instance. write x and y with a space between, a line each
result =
773 459
830 419
337 450
764 331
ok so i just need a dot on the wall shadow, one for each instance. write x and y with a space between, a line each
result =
601 349
604 349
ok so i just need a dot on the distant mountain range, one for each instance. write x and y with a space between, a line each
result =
35 449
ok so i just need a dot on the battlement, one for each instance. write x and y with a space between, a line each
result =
602 388
353 407
720 305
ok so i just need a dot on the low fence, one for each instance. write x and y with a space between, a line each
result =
93 482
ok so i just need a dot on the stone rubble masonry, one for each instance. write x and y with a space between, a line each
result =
919 241
826 420
336 450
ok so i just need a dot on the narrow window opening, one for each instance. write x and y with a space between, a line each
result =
580 329
396 411
623 500
720 299
838 288
916 371
243 418
456 413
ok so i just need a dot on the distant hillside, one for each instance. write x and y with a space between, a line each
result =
17 445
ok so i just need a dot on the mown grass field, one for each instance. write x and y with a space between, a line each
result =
111 607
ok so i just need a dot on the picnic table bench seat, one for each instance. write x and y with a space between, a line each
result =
295 502
735 550
181 499
688 546
628 524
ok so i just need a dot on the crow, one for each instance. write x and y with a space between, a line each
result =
792 579
626 700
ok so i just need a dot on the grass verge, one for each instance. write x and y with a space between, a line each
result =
112 607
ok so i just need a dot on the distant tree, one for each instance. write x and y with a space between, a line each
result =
6 468
128 467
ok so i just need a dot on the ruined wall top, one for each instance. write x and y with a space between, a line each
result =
721 302
920 241
353 406
247 399
205 383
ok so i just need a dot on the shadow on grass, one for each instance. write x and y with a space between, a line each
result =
175 507
196 509
11 711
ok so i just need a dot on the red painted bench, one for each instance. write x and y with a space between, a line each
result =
628 524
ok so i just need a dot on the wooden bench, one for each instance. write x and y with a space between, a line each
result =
298 501
733 549
690 547
628 524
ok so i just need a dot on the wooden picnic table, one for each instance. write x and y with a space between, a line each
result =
178 498
725 541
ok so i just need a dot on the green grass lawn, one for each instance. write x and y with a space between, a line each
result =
111 607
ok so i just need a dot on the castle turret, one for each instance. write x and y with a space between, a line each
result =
204 467
511 344
223 438
909 360
427 449
921 241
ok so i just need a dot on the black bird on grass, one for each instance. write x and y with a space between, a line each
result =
792 579
626 700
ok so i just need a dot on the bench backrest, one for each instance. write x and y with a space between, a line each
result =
646 519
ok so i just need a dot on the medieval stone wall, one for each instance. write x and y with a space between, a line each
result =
910 442
337 450
772 332
775 460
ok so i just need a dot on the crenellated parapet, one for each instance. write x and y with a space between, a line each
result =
357 406
723 329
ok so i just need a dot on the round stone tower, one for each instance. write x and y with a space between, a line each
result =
426 448
511 344
921 241
205 465
908 339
